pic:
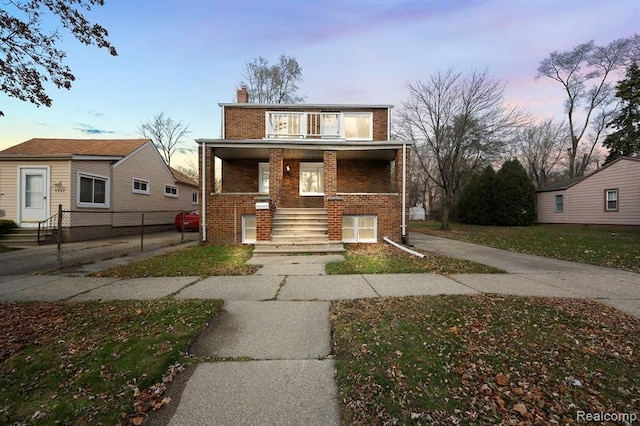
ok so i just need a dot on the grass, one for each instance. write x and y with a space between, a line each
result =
602 246
82 363
483 360
192 261
386 259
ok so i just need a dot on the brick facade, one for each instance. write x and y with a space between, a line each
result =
356 182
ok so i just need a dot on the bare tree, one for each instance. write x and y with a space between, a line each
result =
29 57
540 148
273 84
585 73
166 134
459 121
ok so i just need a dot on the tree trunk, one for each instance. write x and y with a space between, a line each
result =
445 215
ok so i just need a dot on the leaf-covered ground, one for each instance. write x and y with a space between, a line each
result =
483 360
92 363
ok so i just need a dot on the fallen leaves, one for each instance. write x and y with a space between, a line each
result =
483 360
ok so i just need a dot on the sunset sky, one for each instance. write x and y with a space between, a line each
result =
182 57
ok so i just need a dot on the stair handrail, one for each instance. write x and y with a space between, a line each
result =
46 226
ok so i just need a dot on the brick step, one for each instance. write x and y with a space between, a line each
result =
300 238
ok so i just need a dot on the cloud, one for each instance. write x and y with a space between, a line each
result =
90 130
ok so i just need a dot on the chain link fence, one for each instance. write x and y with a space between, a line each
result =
87 236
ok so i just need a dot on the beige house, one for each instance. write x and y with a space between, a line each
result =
610 196
94 178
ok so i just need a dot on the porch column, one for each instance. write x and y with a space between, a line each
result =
264 219
275 176
330 174
332 202
335 207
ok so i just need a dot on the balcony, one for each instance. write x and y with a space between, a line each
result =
319 125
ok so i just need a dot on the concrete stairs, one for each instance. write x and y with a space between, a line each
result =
20 237
299 231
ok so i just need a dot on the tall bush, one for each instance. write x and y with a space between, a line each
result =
477 199
515 196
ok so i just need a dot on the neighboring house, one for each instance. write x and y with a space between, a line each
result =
609 196
91 175
303 173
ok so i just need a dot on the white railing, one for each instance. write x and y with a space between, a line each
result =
304 125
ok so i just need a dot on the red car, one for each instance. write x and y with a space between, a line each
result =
191 221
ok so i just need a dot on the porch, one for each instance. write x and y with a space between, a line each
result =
277 197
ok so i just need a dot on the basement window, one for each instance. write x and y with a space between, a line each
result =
360 229
248 229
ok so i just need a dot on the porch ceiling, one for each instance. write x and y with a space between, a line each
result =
305 154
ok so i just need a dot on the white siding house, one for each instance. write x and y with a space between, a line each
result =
609 196
91 176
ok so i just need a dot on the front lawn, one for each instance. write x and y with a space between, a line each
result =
602 246
386 259
483 360
193 261
95 362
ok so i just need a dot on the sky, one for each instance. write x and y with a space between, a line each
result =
183 57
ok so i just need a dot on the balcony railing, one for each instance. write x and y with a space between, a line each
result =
318 125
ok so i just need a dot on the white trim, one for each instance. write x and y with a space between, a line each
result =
615 199
311 166
356 228
46 190
261 188
140 191
244 239
107 191
170 193
203 176
348 114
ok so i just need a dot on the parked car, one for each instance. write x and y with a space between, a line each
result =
191 221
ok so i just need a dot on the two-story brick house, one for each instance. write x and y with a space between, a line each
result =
303 173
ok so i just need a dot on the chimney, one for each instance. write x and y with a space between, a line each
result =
243 95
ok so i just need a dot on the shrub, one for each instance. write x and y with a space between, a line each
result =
6 224
477 199
515 196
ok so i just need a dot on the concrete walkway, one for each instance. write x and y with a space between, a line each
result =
272 339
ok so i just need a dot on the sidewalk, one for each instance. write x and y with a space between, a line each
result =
274 329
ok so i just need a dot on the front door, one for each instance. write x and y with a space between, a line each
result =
34 204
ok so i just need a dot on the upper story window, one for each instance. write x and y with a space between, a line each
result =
285 124
611 200
140 186
358 125
171 191
93 191
330 125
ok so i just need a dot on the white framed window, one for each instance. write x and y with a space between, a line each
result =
140 186
248 229
360 229
358 125
171 191
611 200
559 203
194 197
93 191
285 124
311 179
263 178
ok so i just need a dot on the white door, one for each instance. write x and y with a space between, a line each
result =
34 204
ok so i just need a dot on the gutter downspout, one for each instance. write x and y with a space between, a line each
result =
404 193
204 192
401 247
